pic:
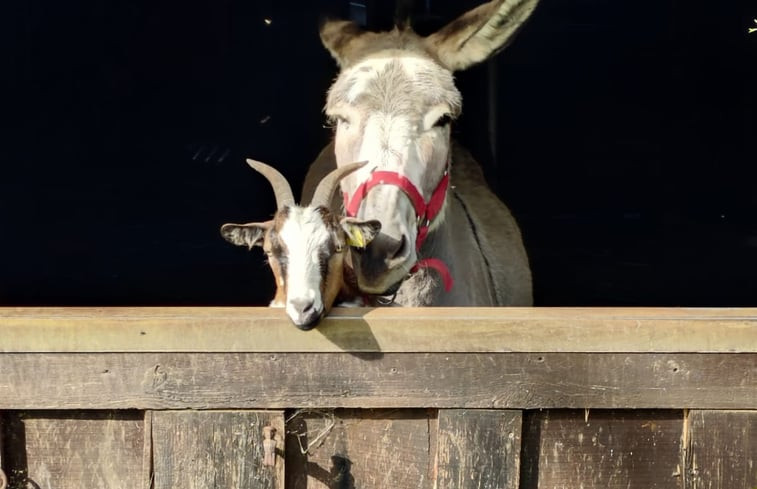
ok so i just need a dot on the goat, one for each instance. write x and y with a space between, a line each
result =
305 246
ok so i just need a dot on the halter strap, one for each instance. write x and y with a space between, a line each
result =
425 212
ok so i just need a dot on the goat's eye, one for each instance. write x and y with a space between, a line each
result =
444 120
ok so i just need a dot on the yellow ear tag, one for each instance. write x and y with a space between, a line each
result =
355 237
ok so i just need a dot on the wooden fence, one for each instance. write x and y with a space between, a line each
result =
386 398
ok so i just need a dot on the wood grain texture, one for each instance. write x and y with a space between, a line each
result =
602 450
215 449
67 450
723 449
379 330
364 449
397 380
478 449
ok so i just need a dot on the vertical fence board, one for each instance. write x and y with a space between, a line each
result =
478 449
602 449
365 449
214 449
723 449
147 447
72 450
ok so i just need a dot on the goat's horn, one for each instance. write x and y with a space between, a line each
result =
325 190
281 188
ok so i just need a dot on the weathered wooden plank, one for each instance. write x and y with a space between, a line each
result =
602 450
723 449
67 450
271 381
3 465
380 330
478 449
147 446
213 449
367 449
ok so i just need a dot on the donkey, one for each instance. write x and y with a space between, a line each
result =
305 247
393 103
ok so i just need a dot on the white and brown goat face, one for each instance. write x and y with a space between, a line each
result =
305 247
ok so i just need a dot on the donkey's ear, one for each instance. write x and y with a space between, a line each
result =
359 232
479 33
336 36
249 235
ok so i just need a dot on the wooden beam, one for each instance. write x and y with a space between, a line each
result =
396 380
387 330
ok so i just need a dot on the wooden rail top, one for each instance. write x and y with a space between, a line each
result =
389 330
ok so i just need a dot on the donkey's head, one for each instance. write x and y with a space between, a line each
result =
392 104
305 245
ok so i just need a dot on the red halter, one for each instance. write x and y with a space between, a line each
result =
426 212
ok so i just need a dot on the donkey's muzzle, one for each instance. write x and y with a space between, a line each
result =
383 264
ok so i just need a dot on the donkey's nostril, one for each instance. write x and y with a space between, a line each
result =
401 248
303 306
384 253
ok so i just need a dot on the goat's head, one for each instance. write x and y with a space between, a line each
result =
305 245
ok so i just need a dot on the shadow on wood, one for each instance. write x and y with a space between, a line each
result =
360 337
338 477
363 448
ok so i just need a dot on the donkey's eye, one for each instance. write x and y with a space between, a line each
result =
329 123
338 119
444 120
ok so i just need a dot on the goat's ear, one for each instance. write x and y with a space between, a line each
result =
249 235
359 232
479 33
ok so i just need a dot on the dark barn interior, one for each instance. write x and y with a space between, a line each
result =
621 134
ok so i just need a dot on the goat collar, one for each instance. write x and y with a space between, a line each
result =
425 211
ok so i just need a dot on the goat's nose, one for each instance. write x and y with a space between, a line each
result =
302 305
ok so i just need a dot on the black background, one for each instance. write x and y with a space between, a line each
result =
624 142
